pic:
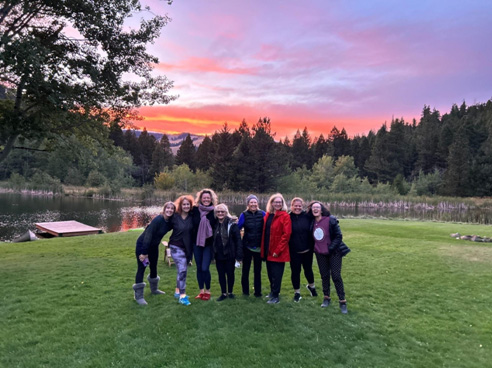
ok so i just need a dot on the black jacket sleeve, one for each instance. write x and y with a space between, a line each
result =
237 243
148 235
335 234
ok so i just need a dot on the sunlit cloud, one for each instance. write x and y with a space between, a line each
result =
318 63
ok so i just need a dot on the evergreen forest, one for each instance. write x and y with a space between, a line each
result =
448 154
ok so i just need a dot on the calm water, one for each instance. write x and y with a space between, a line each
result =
19 213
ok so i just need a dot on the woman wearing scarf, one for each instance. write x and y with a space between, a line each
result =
204 221
228 250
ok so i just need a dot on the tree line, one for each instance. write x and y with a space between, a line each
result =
445 155
438 155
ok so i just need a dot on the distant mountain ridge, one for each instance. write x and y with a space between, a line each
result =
175 139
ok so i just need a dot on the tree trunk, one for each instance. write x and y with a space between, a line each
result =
8 147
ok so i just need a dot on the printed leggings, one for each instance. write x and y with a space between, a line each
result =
331 265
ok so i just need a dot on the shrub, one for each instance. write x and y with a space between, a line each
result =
164 181
17 181
42 181
95 179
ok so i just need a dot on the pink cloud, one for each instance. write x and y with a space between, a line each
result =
208 65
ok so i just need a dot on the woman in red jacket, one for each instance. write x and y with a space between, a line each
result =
275 243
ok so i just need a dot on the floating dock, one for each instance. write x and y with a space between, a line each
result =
67 228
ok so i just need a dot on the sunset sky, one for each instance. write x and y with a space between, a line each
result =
318 63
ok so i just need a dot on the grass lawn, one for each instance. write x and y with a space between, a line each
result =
416 298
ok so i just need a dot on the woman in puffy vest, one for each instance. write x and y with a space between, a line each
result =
251 221
329 249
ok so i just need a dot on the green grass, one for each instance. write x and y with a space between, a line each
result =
416 298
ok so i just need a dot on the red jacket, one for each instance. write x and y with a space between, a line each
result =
279 237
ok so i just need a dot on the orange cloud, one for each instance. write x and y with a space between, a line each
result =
286 120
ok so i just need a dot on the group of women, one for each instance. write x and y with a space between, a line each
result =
205 229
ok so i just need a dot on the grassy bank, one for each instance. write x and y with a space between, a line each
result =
416 297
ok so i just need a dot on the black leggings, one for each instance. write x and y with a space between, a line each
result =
249 256
331 265
298 261
225 269
153 258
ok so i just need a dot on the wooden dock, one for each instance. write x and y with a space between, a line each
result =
67 228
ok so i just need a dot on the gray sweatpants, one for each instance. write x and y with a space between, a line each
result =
179 257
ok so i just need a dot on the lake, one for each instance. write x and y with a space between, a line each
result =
19 213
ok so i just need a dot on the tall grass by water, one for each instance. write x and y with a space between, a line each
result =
416 298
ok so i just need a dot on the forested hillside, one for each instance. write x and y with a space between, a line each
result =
448 154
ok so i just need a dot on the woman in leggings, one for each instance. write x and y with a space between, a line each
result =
181 244
147 252
329 249
301 246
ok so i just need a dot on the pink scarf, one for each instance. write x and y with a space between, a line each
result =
204 229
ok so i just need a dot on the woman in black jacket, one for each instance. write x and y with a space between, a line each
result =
329 249
301 246
204 222
228 250
147 252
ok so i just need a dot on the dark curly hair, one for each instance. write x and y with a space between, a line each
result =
324 209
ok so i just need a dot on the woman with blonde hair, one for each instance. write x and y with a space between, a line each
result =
204 222
228 250
147 252
275 243
301 246
181 244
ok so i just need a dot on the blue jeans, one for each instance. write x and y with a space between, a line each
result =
179 257
203 257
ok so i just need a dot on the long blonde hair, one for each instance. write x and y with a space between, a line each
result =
269 207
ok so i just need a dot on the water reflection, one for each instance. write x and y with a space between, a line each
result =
19 213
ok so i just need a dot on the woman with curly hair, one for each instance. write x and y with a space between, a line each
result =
204 222
329 249
275 243
181 244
